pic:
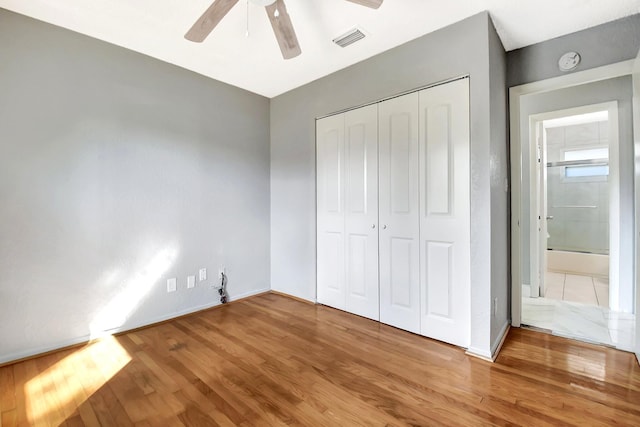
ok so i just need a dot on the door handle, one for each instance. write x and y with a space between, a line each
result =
549 218
373 226
384 227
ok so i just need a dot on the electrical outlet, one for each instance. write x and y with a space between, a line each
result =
191 281
495 306
203 274
172 284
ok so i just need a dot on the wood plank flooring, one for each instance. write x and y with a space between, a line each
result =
272 360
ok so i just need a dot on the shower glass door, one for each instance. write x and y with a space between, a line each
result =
574 217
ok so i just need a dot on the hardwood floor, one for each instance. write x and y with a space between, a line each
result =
272 360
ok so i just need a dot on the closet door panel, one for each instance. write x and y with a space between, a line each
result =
399 213
445 212
330 155
361 190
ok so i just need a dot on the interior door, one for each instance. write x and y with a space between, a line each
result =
361 206
445 212
330 211
537 285
399 213
544 215
537 240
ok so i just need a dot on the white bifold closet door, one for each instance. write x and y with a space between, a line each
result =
445 235
361 221
330 211
399 213
347 192
393 189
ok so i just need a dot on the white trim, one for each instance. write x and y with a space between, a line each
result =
495 347
499 342
605 72
535 169
492 355
636 155
615 268
11 357
397 95
480 354
8 358
515 93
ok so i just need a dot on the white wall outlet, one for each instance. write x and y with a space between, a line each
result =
221 271
495 306
191 281
203 274
172 284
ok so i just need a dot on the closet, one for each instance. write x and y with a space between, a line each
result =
393 232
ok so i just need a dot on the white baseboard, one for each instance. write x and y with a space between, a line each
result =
490 356
7 358
19 355
480 354
502 336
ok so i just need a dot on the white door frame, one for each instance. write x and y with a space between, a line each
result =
515 94
537 219
636 145
536 159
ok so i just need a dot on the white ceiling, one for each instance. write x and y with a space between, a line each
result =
157 27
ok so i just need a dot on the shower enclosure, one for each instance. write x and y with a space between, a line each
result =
577 194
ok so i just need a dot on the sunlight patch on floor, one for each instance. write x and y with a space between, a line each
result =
55 394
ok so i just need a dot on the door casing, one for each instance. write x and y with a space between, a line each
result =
516 94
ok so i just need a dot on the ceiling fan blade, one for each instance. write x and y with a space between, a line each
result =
373 4
209 19
283 29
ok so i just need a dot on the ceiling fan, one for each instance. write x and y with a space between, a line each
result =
278 16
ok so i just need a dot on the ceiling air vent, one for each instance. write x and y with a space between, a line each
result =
349 37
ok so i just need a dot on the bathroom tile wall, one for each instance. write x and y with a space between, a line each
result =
579 206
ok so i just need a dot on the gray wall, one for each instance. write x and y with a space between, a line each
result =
460 49
499 170
605 44
118 171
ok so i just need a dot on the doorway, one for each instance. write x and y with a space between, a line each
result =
568 212
575 208
577 177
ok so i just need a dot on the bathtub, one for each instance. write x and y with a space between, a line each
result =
578 263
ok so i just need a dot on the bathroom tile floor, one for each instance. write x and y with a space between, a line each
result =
574 288
580 321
